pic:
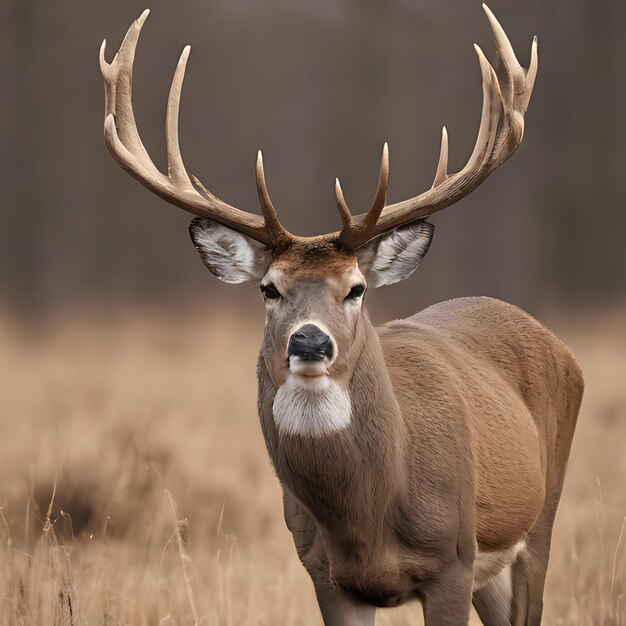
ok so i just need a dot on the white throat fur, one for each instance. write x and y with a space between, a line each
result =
311 406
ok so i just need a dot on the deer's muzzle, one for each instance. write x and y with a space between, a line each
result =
310 343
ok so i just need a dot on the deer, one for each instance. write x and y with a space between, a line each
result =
420 460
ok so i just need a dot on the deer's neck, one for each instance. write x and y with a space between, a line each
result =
349 474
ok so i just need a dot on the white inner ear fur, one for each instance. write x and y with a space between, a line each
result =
394 257
311 407
231 256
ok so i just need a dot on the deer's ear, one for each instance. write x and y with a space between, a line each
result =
391 258
231 256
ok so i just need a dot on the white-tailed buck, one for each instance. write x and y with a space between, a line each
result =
422 459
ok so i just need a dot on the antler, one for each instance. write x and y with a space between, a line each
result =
501 131
125 146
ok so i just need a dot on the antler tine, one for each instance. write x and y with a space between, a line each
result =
519 81
118 78
501 130
344 211
531 74
269 212
125 145
176 167
442 166
490 117
355 234
378 204
513 79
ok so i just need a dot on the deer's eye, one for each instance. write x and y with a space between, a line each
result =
270 292
356 292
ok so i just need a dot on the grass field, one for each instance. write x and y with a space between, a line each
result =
136 488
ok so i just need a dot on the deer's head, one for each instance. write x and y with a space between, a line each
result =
313 287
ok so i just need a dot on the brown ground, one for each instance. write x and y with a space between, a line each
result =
127 414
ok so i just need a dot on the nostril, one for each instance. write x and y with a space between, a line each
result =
394 599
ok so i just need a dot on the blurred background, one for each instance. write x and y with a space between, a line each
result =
127 369
319 87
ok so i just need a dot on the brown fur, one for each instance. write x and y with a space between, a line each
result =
305 258
463 416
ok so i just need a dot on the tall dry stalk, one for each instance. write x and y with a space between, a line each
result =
182 528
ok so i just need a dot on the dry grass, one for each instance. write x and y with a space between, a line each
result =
166 510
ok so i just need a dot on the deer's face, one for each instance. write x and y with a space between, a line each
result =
313 292
313 301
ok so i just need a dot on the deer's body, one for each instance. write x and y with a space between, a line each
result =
423 479
424 459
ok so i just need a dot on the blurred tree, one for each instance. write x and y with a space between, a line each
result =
23 218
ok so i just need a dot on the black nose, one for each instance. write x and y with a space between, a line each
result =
310 344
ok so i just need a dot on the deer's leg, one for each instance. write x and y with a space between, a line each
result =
493 601
529 570
447 601
338 609
529 573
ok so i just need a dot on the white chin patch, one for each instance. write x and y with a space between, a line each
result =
311 406
312 369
